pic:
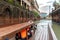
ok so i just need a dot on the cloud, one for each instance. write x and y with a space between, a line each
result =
44 5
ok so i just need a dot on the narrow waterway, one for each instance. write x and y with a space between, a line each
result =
42 30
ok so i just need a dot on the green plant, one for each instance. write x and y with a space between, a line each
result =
17 4
10 1
35 13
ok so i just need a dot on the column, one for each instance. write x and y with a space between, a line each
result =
21 2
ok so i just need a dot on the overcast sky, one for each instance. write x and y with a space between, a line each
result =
44 5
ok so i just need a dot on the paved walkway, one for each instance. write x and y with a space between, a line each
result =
42 30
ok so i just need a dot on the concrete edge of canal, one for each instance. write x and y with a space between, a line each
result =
52 35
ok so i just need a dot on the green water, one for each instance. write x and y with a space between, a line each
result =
56 29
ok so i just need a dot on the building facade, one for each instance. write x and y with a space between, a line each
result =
16 18
55 13
11 11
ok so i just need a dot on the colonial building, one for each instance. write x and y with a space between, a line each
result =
56 15
12 11
16 18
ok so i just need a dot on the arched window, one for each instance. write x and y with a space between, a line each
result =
6 15
15 12
16 15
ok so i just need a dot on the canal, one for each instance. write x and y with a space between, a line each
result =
56 28
42 30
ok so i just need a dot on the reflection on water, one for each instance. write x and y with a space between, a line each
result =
42 30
